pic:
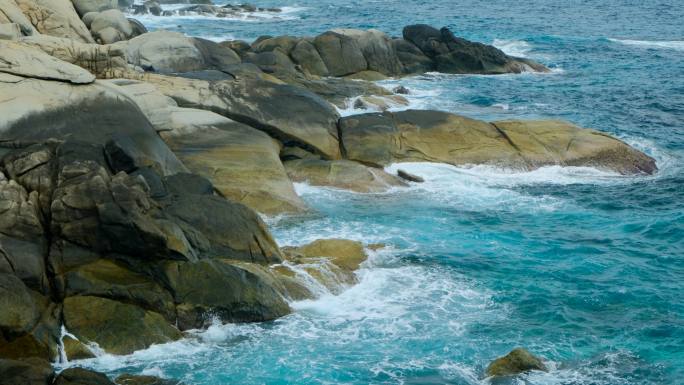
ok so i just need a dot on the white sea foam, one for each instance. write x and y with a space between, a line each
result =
677 45
517 48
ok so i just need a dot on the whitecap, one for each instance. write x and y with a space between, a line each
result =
517 48
677 45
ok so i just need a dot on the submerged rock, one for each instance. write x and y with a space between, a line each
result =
409 177
434 136
517 361
129 379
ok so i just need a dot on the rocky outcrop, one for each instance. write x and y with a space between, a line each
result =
290 114
242 162
343 174
517 361
434 136
23 60
80 376
55 18
330 263
451 54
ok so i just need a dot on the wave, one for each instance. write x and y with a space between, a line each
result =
677 45
517 48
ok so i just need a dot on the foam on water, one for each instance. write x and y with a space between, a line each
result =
517 48
677 45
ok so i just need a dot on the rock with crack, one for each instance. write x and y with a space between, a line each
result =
55 18
248 293
289 114
242 162
22 60
37 110
434 136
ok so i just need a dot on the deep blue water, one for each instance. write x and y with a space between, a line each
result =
584 268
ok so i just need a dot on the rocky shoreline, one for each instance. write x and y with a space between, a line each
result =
134 167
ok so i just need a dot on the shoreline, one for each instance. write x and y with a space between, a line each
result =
133 174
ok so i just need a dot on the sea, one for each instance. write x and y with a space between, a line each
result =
582 267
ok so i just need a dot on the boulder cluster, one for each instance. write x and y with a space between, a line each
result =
134 166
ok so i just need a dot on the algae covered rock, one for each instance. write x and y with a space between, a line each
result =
223 289
117 327
434 136
517 361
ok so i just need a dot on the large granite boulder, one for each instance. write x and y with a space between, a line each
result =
377 49
81 376
343 174
306 55
434 136
42 110
10 13
55 18
26 372
24 60
164 51
110 26
245 295
242 162
117 327
104 61
341 54
85 6
289 114
452 54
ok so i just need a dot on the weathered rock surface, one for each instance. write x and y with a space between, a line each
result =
341 54
242 162
164 51
117 327
330 262
433 136
11 13
85 6
39 110
20 59
104 61
245 295
55 18
25 372
452 54
290 114
344 174
517 361
80 376
377 49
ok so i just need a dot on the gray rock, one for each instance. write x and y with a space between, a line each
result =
341 54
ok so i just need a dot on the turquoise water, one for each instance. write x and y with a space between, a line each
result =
582 267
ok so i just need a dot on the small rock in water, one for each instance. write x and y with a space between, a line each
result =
517 361
409 177
401 90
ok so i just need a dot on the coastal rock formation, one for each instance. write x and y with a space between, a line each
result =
343 174
55 18
434 136
451 54
290 114
241 162
331 263
517 361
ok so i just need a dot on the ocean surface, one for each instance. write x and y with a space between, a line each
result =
582 267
